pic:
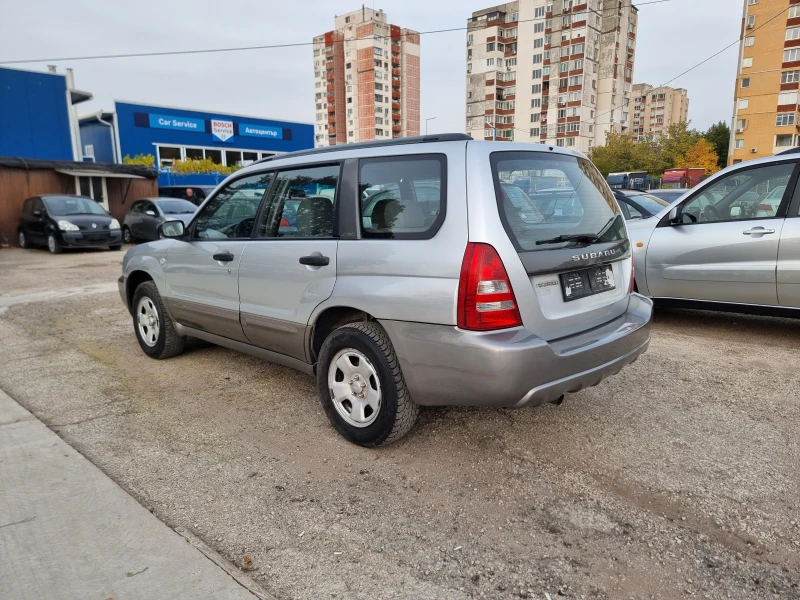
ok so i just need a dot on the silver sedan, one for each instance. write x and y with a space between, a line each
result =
731 243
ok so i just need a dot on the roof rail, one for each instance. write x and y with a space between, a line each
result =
420 139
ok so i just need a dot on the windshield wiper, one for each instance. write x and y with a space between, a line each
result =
588 238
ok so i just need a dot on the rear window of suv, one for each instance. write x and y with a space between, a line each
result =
549 200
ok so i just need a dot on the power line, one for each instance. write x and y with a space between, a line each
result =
276 46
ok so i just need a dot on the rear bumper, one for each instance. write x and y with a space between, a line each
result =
444 365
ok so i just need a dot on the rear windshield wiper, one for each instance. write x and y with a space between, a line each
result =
588 238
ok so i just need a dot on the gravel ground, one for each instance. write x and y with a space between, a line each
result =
677 478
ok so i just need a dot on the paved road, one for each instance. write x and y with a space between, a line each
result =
678 478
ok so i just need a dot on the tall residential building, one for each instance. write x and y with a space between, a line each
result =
765 99
655 109
366 79
558 72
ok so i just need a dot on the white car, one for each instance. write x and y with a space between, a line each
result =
730 243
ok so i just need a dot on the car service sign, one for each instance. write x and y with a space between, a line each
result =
222 131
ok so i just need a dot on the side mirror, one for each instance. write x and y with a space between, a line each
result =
37 214
150 213
171 229
674 217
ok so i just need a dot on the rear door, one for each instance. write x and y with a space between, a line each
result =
202 272
570 269
788 271
290 266
725 248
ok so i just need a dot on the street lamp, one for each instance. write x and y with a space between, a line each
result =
426 124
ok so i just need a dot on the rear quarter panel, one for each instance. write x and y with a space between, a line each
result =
408 280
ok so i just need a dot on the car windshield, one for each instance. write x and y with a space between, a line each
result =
650 203
578 209
176 207
62 206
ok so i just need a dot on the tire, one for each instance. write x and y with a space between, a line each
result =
396 412
23 240
115 247
165 341
53 245
127 235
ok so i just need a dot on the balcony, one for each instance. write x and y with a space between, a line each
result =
331 119
331 108
331 87
395 72
329 76
396 94
396 128
395 106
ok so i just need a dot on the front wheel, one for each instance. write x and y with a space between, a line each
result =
362 387
53 245
127 236
154 329
23 240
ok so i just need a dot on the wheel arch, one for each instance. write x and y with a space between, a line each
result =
329 319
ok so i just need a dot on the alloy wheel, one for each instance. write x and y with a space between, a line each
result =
147 321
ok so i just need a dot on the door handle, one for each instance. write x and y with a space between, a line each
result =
315 261
758 231
223 256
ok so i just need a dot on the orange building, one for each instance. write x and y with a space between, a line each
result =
366 79
765 101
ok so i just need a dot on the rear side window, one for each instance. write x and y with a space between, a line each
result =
550 201
402 197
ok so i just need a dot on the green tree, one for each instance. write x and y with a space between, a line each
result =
719 136
676 143
620 153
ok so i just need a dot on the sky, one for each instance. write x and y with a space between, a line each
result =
279 83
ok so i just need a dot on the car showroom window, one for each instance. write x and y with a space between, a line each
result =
742 195
230 214
402 197
300 204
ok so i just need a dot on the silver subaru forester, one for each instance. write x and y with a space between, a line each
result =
418 271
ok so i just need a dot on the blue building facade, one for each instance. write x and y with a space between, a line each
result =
98 137
35 115
171 134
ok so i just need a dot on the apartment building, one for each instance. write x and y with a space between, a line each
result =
765 99
655 109
366 80
556 72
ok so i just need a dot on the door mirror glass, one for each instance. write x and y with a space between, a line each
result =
171 229
150 213
37 213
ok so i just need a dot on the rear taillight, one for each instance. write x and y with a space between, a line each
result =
485 298
766 207
284 222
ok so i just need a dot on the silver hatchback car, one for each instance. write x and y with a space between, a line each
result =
402 273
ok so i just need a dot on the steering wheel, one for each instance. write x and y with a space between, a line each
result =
244 228
710 213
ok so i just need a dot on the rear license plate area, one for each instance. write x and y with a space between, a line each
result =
587 282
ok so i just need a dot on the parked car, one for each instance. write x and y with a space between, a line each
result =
639 205
731 243
145 215
58 221
448 294
669 194
200 192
